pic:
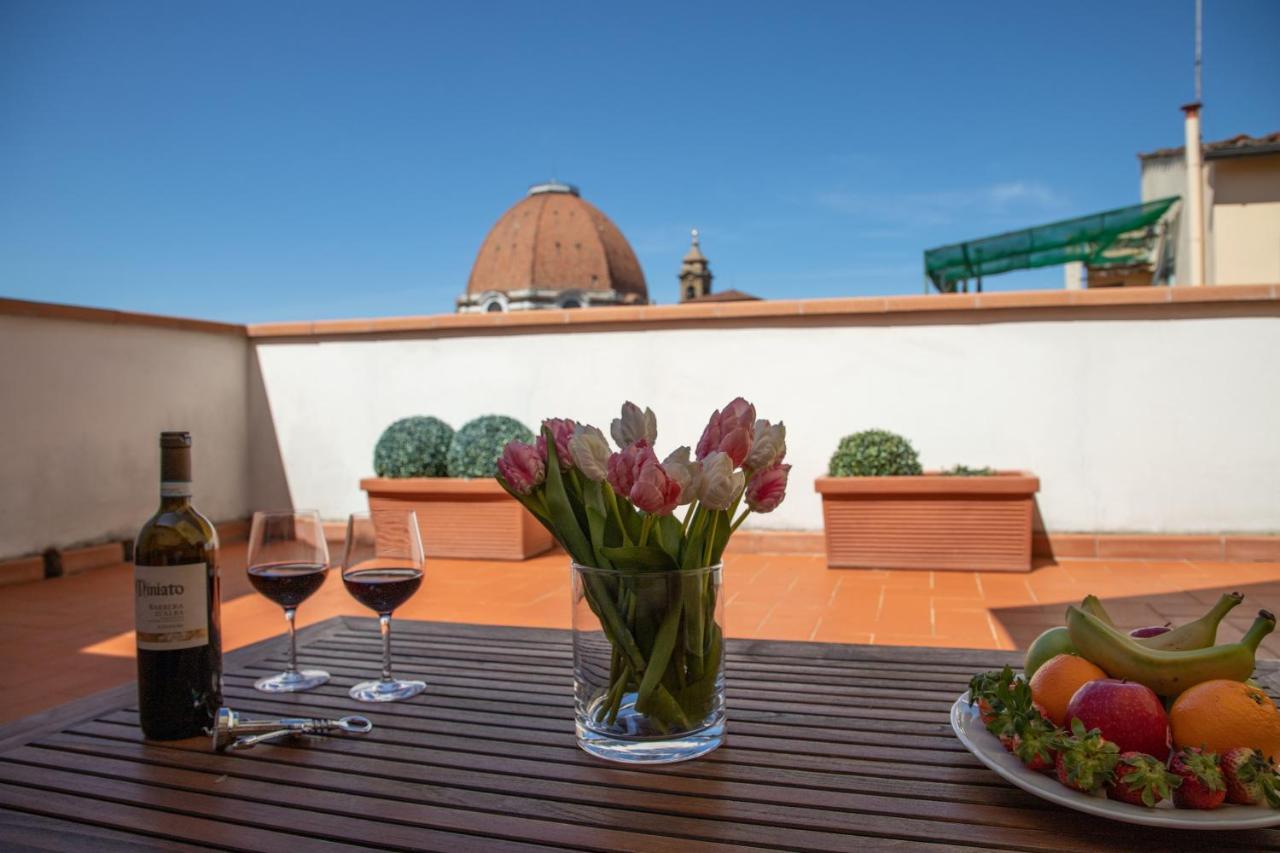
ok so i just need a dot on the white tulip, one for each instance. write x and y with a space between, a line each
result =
768 446
590 452
720 485
634 425
685 472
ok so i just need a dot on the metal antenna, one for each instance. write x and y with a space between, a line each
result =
1199 27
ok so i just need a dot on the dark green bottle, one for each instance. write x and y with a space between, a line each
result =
176 598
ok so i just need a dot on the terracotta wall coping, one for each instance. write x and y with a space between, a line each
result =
432 486
701 314
54 311
932 483
698 314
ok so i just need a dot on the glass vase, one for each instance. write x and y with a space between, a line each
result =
648 663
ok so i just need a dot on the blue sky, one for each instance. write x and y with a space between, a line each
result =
298 160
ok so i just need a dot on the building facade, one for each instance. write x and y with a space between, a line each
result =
1241 186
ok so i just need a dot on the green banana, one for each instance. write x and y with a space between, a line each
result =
1200 634
1168 673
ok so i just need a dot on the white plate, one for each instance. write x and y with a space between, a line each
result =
987 747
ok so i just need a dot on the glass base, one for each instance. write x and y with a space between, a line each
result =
387 691
292 682
648 748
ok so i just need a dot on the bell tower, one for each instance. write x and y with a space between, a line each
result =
695 274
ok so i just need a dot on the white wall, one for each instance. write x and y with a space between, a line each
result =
1153 425
83 405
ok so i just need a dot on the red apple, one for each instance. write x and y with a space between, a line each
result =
1129 714
1150 631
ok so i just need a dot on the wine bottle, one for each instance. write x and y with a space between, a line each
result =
176 598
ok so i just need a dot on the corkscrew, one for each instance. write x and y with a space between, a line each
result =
230 731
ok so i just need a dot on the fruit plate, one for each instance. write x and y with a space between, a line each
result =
987 748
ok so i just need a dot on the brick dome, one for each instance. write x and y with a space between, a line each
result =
554 249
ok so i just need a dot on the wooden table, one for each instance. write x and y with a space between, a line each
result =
831 748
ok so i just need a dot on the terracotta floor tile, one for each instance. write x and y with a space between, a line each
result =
905 614
998 589
954 585
964 627
832 631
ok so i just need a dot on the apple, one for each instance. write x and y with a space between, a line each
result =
1127 713
1149 631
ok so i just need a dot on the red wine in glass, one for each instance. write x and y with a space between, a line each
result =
381 567
287 584
382 588
287 557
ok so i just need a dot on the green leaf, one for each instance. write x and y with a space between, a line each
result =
641 558
663 644
597 521
723 531
631 519
568 531
670 536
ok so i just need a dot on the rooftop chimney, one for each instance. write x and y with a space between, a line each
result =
1195 193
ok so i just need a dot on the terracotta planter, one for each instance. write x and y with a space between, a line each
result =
467 519
931 521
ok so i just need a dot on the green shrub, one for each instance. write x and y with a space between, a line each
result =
413 447
874 453
966 471
477 446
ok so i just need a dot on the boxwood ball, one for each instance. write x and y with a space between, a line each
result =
874 453
477 445
413 447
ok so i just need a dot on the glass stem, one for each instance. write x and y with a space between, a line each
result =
384 619
293 640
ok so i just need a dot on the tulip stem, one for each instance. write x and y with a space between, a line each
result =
688 516
617 514
645 527
711 539
741 518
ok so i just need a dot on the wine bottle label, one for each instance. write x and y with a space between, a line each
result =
175 489
171 606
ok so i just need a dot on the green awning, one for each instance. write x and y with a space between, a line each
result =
1113 238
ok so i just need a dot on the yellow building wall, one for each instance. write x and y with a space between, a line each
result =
1245 226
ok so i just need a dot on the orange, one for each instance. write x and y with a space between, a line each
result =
1219 715
1057 680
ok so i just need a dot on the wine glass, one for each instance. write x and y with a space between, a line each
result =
287 562
382 568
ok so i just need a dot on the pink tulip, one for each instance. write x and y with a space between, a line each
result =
767 488
562 431
522 466
654 491
730 430
625 466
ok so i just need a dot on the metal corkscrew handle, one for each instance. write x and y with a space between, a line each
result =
230 730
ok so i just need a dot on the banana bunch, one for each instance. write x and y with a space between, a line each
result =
1199 634
1169 668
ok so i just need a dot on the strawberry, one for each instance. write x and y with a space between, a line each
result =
1036 744
1085 760
1141 780
982 691
1203 786
1250 777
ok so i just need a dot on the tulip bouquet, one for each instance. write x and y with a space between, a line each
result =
618 512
